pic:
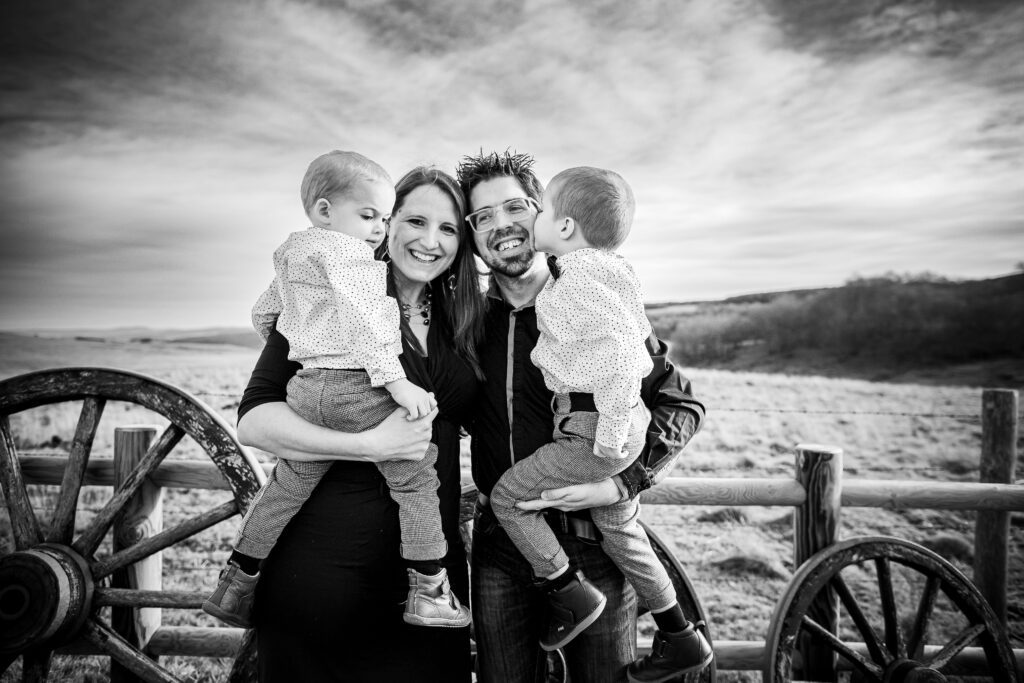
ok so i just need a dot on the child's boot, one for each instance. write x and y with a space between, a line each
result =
432 603
672 655
573 608
232 600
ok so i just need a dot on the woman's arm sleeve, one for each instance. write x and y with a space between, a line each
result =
269 380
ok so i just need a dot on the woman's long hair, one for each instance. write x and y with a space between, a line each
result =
461 308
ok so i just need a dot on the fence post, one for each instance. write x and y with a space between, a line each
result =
992 527
142 517
819 469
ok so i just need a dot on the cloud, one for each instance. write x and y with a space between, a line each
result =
770 145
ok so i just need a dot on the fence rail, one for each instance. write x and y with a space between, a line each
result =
818 471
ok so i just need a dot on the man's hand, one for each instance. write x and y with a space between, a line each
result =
576 497
398 438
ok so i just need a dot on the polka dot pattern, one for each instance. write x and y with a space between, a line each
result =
329 299
592 333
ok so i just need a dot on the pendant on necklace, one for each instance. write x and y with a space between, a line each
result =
421 310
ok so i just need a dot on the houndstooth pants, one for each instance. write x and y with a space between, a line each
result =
345 400
568 460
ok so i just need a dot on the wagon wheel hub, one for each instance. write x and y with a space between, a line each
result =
45 593
909 671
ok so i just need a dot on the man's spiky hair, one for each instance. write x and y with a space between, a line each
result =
473 170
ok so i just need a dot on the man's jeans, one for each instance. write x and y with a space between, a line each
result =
510 613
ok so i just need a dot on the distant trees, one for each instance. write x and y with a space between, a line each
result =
912 320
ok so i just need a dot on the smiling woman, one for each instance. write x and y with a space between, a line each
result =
329 602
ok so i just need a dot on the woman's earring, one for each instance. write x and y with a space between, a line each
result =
452 282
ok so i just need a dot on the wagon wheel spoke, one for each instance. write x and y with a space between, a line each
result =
62 527
132 597
859 662
893 632
90 539
164 539
24 524
35 666
103 637
956 645
874 645
924 611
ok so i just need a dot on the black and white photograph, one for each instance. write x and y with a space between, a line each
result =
511 341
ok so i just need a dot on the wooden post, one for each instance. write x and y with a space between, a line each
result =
141 518
992 527
816 526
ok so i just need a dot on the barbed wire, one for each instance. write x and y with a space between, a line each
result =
734 409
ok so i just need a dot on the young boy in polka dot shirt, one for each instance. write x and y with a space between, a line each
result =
329 299
591 351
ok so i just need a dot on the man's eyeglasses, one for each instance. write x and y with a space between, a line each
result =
516 209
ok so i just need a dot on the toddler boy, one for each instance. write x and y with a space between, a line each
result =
591 352
329 299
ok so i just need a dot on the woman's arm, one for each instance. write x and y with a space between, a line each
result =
266 422
277 429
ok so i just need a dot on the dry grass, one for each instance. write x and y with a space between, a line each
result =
739 559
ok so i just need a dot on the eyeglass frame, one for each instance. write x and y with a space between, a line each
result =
501 207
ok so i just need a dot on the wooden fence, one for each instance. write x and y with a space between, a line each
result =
817 493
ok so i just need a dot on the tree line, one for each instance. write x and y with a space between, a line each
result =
912 320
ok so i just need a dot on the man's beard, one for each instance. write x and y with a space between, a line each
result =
514 267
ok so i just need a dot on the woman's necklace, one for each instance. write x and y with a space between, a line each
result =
420 310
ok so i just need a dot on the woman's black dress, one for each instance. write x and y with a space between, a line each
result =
329 600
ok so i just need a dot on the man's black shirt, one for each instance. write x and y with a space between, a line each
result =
515 418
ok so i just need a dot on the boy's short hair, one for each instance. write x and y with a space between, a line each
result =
473 170
334 173
600 201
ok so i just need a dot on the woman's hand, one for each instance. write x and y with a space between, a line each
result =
576 497
398 438
277 429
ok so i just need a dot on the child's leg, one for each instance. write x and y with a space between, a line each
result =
350 403
528 529
679 647
568 460
291 482
275 504
626 543
623 539
413 485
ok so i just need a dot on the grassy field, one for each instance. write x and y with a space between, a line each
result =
739 559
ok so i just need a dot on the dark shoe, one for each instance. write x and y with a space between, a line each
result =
231 601
672 655
572 610
422 608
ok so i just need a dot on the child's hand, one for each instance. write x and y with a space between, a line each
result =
602 451
418 402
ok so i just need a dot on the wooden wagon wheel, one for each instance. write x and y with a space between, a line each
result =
685 592
894 633
51 587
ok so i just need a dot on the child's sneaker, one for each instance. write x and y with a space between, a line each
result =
432 603
672 655
231 601
572 608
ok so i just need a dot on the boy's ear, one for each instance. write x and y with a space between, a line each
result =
322 209
567 229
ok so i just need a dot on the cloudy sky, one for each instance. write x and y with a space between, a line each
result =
151 151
